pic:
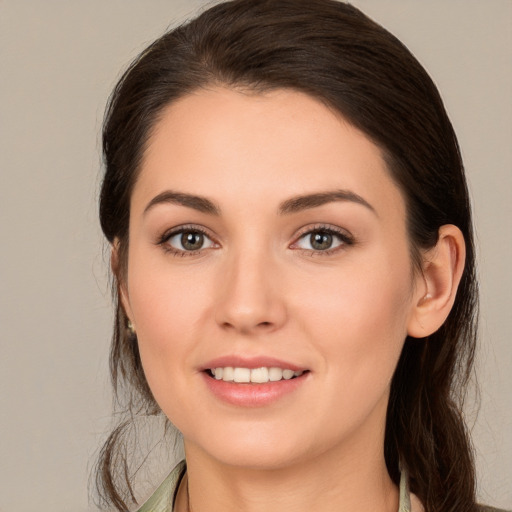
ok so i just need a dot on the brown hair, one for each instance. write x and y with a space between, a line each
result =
333 52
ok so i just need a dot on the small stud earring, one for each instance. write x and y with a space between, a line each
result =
131 328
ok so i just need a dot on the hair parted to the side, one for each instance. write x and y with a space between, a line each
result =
333 52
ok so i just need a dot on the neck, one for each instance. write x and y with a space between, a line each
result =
330 482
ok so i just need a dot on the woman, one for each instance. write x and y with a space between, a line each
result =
292 247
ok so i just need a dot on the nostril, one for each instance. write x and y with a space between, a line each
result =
229 325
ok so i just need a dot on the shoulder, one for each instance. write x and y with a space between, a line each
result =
484 508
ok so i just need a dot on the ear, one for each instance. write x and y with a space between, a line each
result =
435 294
120 278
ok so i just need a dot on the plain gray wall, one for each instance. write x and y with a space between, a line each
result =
58 62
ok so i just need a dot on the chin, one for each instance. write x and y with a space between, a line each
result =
257 457
259 447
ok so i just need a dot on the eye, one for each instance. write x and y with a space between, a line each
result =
323 239
186 240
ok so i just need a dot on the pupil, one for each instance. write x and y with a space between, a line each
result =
192 241
321 240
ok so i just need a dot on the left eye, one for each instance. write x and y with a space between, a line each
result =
321 240
189 240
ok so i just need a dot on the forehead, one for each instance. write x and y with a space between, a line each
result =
259 148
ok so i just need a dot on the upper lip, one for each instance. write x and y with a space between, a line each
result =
236 361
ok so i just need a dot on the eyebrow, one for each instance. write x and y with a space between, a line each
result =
292 205
198 203
305 202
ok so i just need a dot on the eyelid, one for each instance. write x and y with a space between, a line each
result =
346 238
168 234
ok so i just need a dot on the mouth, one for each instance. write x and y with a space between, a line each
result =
254 381
254 387
262 375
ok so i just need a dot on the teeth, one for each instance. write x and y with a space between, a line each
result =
241 375
288 374
227 373
259 375
256 375
275 374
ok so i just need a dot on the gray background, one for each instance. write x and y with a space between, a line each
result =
58 62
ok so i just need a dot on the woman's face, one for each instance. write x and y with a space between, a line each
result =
266 232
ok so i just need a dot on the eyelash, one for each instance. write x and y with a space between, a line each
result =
164 239
345 238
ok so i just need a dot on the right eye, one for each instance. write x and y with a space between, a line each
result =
186 241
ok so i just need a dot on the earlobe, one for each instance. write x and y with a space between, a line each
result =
443 266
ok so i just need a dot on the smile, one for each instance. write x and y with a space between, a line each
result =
254 387
253 375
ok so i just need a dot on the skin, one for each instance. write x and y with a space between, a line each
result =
257 287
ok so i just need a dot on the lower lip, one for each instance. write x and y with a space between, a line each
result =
252 394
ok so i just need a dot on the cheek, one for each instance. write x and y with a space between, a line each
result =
165 308
369 294
358 319
164 296
166 313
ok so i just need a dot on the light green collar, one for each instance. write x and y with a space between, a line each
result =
162 500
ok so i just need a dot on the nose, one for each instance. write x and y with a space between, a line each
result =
251 298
